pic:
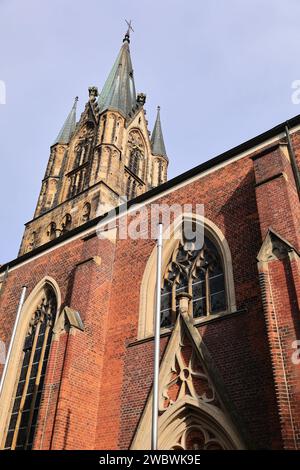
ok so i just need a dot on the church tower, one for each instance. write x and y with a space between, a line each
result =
97 162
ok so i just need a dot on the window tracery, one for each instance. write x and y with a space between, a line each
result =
192 414
24 415
86 212
131 188
200 273
198 438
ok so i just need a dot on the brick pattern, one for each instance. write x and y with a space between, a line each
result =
277 190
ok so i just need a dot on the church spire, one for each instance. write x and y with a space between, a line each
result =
119 89
105 155
157 140
68 128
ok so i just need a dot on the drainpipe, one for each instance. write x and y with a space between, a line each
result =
293 159
20 306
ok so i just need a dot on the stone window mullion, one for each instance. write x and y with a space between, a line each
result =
37 383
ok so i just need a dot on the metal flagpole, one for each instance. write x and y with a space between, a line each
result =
154 435
21 302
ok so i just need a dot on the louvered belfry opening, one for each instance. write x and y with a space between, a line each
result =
200 273
23 420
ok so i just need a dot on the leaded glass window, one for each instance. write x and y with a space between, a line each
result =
131 188
200 273
82 152
23 420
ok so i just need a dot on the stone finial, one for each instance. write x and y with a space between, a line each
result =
141 98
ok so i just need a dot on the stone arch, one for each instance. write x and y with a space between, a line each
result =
15 361
171 240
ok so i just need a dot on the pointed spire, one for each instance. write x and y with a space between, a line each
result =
119 89
157 140
69 126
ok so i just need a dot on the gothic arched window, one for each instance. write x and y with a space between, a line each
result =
200 273
86 212
23 419
134 161
32 241
133 189
160 172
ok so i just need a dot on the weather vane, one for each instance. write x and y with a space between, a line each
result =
130 28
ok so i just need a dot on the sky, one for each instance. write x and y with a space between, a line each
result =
222 72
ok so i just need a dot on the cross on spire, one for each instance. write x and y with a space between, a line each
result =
130 28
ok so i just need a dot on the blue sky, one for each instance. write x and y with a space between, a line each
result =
221 71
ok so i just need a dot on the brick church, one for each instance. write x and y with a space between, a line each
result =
77 304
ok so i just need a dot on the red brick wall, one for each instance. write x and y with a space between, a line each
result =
229 199
97 399
276 194
282 318
278 208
